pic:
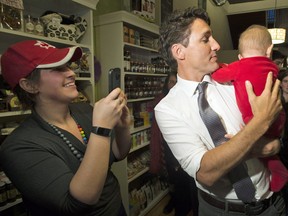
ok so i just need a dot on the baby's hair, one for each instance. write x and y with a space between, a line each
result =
256 38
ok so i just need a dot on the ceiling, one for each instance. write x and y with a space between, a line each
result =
246 6
242 1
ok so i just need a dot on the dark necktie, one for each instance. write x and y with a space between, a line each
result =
242 183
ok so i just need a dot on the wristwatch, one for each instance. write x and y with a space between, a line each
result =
101 131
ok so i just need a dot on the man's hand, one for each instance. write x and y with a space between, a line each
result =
268 105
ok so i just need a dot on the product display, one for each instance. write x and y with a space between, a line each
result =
11 16
141 197
55 28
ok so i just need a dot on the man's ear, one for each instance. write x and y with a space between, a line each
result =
177 51
269 51
28 86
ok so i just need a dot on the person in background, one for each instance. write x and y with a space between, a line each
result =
59 158
279 59
182 187
283 77
187 44
255 47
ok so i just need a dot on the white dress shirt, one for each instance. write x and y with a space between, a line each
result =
187 136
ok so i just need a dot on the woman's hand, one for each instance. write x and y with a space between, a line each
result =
111 110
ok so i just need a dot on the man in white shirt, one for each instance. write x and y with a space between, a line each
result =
186 43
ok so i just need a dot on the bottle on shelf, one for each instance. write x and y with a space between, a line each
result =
29 25
127 59
39 28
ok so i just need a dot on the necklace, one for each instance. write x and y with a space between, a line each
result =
75 152
81 132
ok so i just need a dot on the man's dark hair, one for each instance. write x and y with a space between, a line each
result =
176 29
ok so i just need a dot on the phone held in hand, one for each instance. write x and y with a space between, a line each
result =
114 78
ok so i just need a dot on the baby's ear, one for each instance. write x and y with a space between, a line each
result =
240 56
28 86
269 51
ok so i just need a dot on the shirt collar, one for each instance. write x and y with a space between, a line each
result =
191 86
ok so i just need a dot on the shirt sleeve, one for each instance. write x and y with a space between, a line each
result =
181 137
226 73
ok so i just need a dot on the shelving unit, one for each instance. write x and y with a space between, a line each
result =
10 205
110 48
35 8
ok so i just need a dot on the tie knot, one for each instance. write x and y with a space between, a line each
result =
202 87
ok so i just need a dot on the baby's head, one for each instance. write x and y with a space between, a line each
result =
255 41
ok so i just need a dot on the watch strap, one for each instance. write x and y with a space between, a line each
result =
101 131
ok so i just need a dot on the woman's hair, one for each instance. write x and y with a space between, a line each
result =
282 74
27 99
165 89
176 29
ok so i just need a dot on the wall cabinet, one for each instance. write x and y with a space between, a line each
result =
36 9
128 42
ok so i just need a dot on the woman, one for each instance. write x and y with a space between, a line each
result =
283 77
59 158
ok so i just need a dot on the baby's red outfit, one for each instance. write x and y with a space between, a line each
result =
256 69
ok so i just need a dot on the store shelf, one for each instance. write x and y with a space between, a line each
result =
15 36
154 202
139 147
109 31
14 113
146 169
9 205
135 130
139 99
145 74
140 47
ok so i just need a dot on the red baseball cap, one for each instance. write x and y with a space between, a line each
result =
20 59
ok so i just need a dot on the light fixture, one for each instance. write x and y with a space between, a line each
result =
278 34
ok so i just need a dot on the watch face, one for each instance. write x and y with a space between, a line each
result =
104 131
101 131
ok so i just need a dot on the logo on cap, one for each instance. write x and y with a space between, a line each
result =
44 45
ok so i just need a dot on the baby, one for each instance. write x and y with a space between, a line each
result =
255 47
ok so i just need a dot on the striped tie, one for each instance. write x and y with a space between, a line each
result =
239 178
